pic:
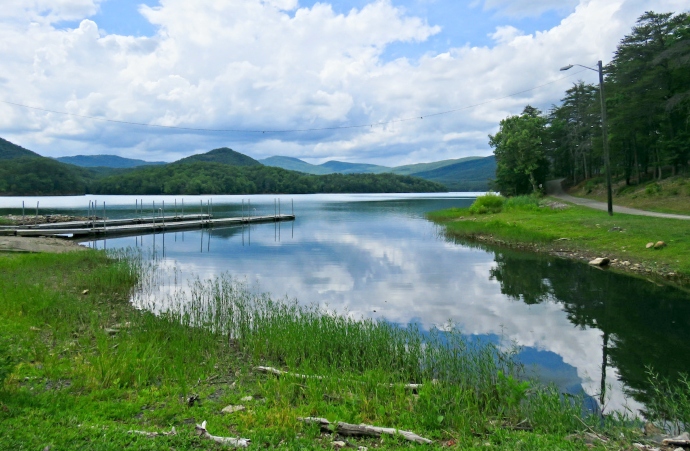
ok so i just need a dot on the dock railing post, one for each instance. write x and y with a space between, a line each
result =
104 226
153 214
23 216
292 201
279 206
163 215
36 213
275 209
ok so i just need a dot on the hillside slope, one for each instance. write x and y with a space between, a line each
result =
473 175
223 155
10 151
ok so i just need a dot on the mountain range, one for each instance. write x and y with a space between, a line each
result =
18 177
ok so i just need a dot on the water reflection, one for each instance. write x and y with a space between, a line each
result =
642 324
376 256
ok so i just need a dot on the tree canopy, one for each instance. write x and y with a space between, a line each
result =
521 164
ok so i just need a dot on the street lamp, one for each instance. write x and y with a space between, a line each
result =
604 130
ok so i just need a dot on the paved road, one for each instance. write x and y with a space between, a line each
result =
555 189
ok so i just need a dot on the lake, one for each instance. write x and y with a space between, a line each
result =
586 330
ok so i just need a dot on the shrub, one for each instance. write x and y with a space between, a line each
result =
652 188
488 203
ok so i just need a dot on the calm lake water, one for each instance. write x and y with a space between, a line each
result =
584 329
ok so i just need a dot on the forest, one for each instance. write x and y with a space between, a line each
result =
647 98
218 178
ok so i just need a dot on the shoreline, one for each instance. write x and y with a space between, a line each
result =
580 234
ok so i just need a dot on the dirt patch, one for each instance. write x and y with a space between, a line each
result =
38 244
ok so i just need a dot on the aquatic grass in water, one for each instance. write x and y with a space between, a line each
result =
464 381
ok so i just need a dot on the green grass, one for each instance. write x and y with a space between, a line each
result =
71 383
579 229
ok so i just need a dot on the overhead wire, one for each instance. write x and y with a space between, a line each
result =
295 130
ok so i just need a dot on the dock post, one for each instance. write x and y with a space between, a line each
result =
279 206
136 207
201 210
275 209
183 207
292 201
243 210
23 220
36 213
153 213
175 208
104 226
163 215
249 208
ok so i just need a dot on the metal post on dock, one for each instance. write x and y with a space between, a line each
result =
275 208
292 201
242 208
104 226
279 206
175 208
163 214
153 213
136 207
183 207
23 220
249 208
36 213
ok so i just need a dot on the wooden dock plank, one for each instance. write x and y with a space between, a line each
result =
151 227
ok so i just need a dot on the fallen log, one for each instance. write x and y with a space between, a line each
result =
154 434
230 441
361 430
682 440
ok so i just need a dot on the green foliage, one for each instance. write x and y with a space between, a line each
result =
521 164
215 178
488 203
652 189
42 176
670 404
6 362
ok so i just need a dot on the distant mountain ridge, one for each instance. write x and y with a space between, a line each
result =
108 161
461 174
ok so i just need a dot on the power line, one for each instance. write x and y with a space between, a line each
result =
295 130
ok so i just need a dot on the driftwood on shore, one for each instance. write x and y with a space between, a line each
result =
154 434
277 372
361 430
230 441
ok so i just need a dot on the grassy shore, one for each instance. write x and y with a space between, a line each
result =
80 368
580 233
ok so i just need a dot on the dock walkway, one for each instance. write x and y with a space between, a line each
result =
96 228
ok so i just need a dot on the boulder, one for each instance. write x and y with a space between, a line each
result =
659 245
601 261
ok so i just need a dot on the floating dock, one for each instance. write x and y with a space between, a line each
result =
97 223
134 226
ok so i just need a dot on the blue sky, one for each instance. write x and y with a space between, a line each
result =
282 65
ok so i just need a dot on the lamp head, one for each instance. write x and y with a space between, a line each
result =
569 66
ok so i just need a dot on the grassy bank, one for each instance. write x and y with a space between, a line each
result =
579 232
80 368
670 195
